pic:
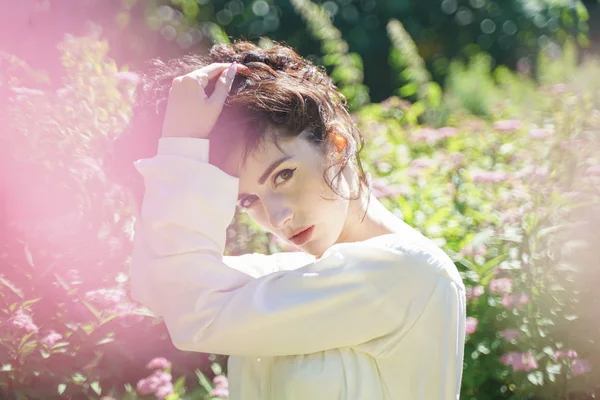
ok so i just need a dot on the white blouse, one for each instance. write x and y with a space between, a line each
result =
378 319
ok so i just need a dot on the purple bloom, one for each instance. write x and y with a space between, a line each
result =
382 189
128 77
427 135
580 367
221 381
501 286
516 300
593 170
51 338
540 133
24 321
468 250
164 390
474 292
220 392
510 334
422 162
565 354
147 386
106 297
519 361
508 125
559 88
158 363
471 326
447 131
159 380
489 176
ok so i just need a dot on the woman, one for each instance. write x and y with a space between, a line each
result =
377 312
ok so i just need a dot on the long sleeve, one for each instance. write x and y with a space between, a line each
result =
354 293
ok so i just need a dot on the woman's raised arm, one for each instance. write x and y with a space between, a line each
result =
354 293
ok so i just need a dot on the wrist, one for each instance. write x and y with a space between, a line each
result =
185 146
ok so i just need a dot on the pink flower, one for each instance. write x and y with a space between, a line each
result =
106 297
164 390
51 338
580 367
540 133
382 189
511 216
489 176
154 382
471 325
519 361
474 292
536 172
422 162
468 250
158 363
501 285
220 392
24 321
559 88
447 131
128 77
516 300
510 334
508 125
565 354
427 135
147 386
593 170
221 381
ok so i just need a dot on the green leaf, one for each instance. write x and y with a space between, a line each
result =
28 256
203 381
216 368
105 340
491 264
179 385
61 388
536 377
12 287
96 387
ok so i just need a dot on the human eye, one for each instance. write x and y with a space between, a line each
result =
247 201
283 176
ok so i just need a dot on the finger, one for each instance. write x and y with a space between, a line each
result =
223 85
213 70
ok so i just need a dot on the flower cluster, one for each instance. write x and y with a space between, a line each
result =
221 389
160 382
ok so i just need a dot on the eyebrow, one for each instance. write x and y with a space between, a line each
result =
268 172
270 169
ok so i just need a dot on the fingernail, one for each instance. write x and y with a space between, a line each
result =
232 70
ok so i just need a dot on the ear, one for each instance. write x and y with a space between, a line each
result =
339 141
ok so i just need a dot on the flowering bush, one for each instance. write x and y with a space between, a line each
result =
512 197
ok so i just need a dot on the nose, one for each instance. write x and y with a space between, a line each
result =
278 212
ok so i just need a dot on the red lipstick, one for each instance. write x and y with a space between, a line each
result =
302 235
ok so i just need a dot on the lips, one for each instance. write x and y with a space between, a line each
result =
302 235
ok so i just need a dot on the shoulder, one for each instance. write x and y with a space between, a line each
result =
400 252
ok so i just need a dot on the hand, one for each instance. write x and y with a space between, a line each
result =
190 113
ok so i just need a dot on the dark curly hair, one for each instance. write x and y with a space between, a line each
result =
281 89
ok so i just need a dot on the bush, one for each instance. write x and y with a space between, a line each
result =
512 197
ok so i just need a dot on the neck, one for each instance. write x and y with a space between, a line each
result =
367 218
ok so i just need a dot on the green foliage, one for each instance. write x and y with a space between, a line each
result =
347 68
504 177
512 32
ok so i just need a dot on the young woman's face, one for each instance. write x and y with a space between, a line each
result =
285 192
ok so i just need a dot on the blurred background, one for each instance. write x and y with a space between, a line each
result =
482 126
